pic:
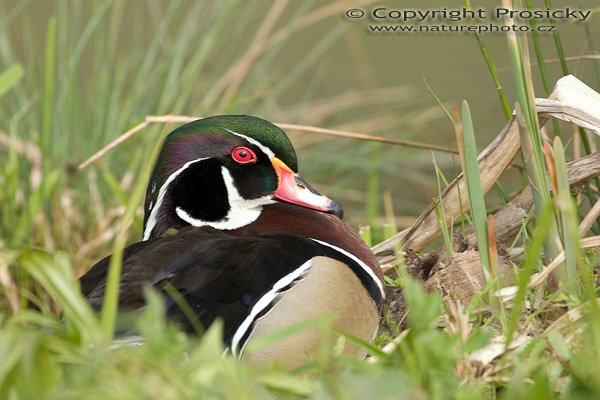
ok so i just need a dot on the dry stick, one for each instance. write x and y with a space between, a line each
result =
509 219
567 324
166 119
163 119
540 277
99 154
493 161
391 346
585 57
590 218
363 136
571 100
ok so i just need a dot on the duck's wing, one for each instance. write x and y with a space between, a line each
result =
225 277
141 262
237 279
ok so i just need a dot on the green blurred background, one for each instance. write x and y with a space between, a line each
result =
94 69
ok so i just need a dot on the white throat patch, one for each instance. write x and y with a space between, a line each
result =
241 211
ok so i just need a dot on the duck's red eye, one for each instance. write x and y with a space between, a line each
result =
243 155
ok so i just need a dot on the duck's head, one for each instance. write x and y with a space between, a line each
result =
221 171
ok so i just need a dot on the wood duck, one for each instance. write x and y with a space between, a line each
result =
242 237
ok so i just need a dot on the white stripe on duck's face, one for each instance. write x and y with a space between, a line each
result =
258 144
156 208
241 211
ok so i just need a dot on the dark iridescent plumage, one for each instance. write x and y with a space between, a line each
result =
211 137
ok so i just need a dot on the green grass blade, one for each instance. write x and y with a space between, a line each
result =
567 211
474 188
10 77
49 82
438 101
111 296
529 132
539 55
54 274
491 65
439 208
557 41
528 267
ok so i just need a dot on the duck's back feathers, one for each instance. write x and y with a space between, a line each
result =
226 276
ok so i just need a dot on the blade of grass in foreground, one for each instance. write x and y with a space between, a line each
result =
529 131
111 295
567 212
468 149
439 208
53 272
532 251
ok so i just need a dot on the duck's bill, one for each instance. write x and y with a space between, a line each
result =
295 190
